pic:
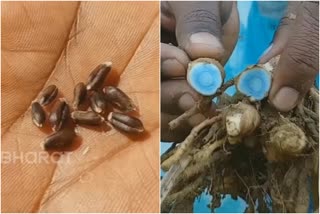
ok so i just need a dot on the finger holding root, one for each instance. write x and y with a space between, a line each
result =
200 107
206 77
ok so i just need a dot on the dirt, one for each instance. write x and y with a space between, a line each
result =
275 165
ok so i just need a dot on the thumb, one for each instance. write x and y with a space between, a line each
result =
299 62
198 28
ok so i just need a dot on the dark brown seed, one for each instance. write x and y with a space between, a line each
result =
98 75
125 122
79 94
48 95
59 116
59 140
119 99
87 117
98 102
38 114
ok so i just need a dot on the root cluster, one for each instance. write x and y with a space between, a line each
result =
248 150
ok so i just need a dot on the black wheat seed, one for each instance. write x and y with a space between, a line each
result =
79 95
38 114
59 116
48 95
119 99
87 118
125 122
98 76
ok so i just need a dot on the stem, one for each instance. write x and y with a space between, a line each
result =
201 160
169 152
199 107
314 94
312 114
176 122
211 134
192 189
182 171
224 87
168 181
187 143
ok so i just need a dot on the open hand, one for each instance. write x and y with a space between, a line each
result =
60 43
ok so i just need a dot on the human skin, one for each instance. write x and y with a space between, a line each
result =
210 29
60 43
199 29
297 40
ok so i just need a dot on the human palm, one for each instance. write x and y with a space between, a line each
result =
47 43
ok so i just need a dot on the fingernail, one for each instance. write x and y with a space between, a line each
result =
173 66
186 101
206 44
285 99
203 38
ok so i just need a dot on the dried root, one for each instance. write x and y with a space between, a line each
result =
241 120
286 142
191 189
187 143
314 94
184 172
290 189
200 107
250 151
200 159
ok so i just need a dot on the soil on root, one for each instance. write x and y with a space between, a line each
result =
270 176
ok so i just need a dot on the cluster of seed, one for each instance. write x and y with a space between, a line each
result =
63 121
